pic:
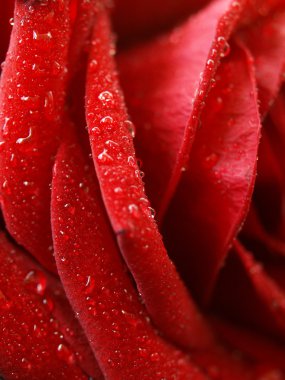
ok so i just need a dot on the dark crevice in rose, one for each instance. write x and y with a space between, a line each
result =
129 30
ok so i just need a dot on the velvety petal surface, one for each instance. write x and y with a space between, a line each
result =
246 293
166 82
214 194
266 41
31 104
40 337
131 216
133 20
98 283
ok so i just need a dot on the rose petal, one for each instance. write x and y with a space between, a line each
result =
142 18
40 337
31 105
166 82
81 33
166 298
6 12
97 282
213 197
254 234
254 345
266 41
247 293
263 228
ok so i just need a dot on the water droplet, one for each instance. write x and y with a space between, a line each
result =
210 64
236 5
43 37
6 188
131 319
89 285
106 121
226 50
36 281
5 304
26 364
111 144
65 354
11 21
22 140
105 158
93 64
49 105
56 68
133 209
211 160
152 212
130 127
107 98
143 352
48 302
154 357
5 127
131 161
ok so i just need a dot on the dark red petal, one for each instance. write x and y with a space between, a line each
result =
122 188
266 41
6 13
276 270
131 216
145 17
166 83
255 233
263 228
40 338
214 194
97 282
248 342
31 105
276 132
247 293
81 32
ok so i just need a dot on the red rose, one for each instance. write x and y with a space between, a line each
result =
173 272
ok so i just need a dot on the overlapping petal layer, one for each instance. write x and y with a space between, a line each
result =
197 94
31 106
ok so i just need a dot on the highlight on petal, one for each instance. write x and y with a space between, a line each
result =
213 196
32 94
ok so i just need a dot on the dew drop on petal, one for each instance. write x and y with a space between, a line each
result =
22 140
104 157
130 127
106 98
65 354
89 285
5 304
36 282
